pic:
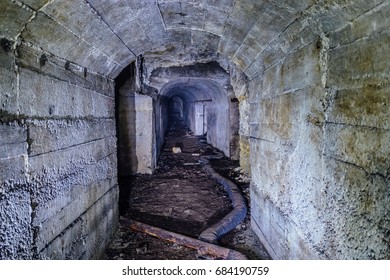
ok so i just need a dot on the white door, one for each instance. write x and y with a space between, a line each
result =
199 118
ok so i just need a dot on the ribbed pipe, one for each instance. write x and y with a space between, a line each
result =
231 220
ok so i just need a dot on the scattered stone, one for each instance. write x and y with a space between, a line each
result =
176 150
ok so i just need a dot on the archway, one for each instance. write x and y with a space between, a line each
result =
206 108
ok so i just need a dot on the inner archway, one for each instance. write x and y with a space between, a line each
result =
206 110
176 106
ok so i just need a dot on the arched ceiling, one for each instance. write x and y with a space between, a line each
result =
106 35
194 90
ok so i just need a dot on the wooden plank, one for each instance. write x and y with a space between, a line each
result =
202 247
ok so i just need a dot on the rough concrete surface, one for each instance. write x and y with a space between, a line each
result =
309 78
182 197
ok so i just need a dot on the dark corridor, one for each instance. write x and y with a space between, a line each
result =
180 196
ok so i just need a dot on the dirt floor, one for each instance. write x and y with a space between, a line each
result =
181 197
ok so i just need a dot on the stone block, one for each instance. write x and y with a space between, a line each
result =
43 96
207 44
256 112
239 23
8 91
272 83
51 135
367 106
16 236
13 141
145 24
263 223
357 206
13 16
122 12
55 165
13 169
61 69
136 140
88 236
171 13
215 19
255 69
360 63
250 48
108 44
245 154
69 245
361 146
332 18
272 55
102 221
295 36
280 119
244 115
279 234
83 187
68 46
368 18
61 218
266 161
102 105
301 69
131 29
195 15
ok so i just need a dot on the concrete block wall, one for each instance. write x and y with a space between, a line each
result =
137 133
319 115
58 166
313 116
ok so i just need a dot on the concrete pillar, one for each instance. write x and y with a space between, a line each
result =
137 134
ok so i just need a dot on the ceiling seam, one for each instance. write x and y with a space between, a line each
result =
83 40
229 12
161 16
109 27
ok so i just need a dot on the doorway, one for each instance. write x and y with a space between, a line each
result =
200 118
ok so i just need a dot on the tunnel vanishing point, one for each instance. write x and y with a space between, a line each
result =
297 91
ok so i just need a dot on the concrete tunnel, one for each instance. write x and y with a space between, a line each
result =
297 91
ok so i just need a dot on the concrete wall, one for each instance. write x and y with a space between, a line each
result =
314 117
319 117
239 107
136 133
58 173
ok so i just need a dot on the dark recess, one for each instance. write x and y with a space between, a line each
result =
125 183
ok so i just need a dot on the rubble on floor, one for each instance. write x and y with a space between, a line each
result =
181 197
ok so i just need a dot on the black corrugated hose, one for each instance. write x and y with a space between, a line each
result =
231 220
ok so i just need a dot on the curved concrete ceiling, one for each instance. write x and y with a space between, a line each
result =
106 35
194 90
